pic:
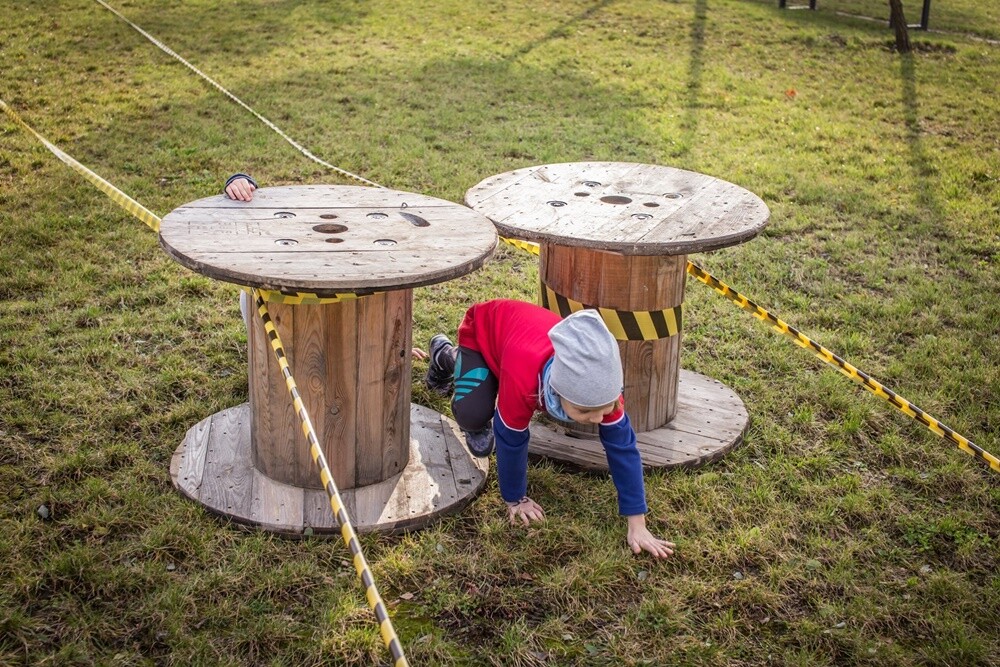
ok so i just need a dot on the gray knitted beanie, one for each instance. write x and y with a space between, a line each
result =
587 367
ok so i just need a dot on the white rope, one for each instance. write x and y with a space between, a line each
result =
166 49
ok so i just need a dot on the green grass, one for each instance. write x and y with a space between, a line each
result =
840 533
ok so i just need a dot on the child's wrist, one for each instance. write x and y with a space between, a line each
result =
515 503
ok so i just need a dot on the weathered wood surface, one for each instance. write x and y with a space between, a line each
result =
633 209
628 283
710 421
325 239
440 479
349 361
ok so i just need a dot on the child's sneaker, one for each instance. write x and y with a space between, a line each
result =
480 443
440 376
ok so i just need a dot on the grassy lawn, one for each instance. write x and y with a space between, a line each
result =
840 533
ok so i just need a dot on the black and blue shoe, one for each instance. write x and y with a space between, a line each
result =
480 443
440 376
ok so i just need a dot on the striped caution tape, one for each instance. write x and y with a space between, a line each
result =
828 357
153 221
521 244
336 503
163 47
347 531
623 324
307 298
862 378
116 195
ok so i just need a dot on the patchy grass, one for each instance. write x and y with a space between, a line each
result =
840 533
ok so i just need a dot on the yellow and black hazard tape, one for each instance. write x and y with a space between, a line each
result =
529 246
336 503
153 221
906 407
862 378
116 195
347 531
307 298
623 324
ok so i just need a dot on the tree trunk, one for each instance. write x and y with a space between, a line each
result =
898 22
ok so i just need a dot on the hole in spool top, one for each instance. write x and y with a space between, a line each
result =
286 242
384 242
378 216
592 184
284 214
672 195
616 199
582 194
556 203
330 228
328 216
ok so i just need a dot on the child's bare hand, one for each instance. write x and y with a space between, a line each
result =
241 190
417 353
640 539
525 511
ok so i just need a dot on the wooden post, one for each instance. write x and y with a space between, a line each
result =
355 386
628 283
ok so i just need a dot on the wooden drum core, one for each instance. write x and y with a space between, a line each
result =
353 384
627 283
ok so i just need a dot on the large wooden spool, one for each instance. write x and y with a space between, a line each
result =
396 465
616 236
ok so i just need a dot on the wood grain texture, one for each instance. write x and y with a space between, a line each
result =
328 239
350 381
634 209
341 395
440 478
227 475
710 421
279 451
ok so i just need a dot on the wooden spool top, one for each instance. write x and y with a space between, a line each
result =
633 209
326 239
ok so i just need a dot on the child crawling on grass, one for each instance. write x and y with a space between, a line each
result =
514 359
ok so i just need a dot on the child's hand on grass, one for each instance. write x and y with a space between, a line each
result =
524 511
640 539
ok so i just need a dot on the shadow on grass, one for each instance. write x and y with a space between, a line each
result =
927 204
692 101
561 31
449 123
237 31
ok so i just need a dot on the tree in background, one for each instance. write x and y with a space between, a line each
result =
898 22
